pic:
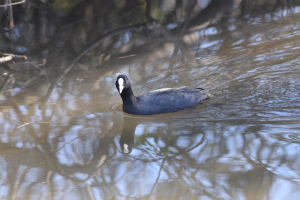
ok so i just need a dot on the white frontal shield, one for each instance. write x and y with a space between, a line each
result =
121 86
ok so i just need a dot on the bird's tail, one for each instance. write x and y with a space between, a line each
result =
205 94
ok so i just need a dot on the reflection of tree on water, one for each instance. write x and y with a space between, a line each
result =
132 32
186 157
113 30
172 159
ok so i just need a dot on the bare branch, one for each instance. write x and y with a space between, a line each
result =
6 59
9 57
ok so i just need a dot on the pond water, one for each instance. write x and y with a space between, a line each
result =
244 143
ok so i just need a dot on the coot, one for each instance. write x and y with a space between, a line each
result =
158 101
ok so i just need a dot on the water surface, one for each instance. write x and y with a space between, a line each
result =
241 144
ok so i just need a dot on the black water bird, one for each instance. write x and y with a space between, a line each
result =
158 101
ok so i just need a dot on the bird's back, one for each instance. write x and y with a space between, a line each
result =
169 100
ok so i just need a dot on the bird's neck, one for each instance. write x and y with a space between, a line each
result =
128 96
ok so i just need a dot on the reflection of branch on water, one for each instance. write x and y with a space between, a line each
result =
98 41
66 143
158 176
215 9
19 179
50 154
132 55
188 19
185 151
151 25
89 48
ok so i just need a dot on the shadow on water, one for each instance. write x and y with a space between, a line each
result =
64 134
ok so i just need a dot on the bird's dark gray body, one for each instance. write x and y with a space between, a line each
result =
161 101
164 101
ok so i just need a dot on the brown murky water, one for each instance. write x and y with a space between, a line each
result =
241 144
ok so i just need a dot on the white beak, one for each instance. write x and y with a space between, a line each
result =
126 150
121 86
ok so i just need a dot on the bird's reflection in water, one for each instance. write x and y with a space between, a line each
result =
132 121
129 128
171 120
127 137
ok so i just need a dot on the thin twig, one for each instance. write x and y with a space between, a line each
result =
37 122
132 55
12 4
158 176
7 79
